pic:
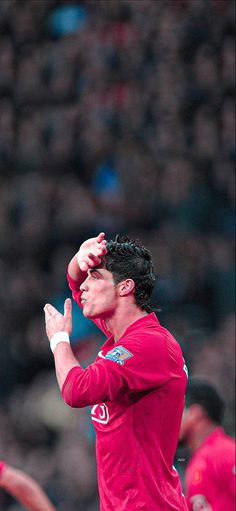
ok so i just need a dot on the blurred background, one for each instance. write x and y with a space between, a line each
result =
115 115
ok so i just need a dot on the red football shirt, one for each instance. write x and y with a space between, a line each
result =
2 465
210 474
136 387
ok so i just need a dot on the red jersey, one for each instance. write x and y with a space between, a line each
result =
2 465
210 474
136 387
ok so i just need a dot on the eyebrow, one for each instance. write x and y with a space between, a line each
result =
94 270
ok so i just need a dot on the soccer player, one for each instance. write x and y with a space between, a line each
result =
210 473
137 383
23 488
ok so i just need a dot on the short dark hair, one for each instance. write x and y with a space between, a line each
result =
202 392
127 258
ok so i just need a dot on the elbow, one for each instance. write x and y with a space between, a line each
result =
75 396
75 402
69 399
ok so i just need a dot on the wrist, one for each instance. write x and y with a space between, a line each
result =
57 338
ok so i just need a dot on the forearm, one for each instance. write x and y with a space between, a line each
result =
97 383
75 271
89 255
64 361
25 490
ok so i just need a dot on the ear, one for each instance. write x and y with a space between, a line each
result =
126 287
195 412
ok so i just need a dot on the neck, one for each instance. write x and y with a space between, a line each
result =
200 434
124 317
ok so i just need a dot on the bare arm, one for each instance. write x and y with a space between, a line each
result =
89 255
25 490
63 354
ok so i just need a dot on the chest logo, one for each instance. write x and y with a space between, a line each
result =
100 413
119 355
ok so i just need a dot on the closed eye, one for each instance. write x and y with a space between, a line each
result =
94 274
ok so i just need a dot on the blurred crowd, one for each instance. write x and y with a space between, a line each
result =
115 115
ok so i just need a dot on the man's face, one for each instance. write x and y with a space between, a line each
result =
99 294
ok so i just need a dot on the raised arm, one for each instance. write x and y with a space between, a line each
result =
89 255
58 328
25 490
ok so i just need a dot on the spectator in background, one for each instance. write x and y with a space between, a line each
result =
24 488
210 474
119 114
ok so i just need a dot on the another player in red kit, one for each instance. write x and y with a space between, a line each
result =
23 488
210 474
137 383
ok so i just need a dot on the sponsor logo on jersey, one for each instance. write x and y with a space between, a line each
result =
119 355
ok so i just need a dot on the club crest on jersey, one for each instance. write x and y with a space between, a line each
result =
119 355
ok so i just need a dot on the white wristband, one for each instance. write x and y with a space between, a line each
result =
57 338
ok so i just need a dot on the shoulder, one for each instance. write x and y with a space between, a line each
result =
219 440
217 452
146 337
150 337
223 448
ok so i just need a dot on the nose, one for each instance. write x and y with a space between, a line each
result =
84 286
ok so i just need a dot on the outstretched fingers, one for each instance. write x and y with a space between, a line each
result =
68 308
103 247
57 322
91 252
102 243
93 259
100 237
50 310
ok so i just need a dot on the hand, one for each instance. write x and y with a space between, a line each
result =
91 252
57 322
